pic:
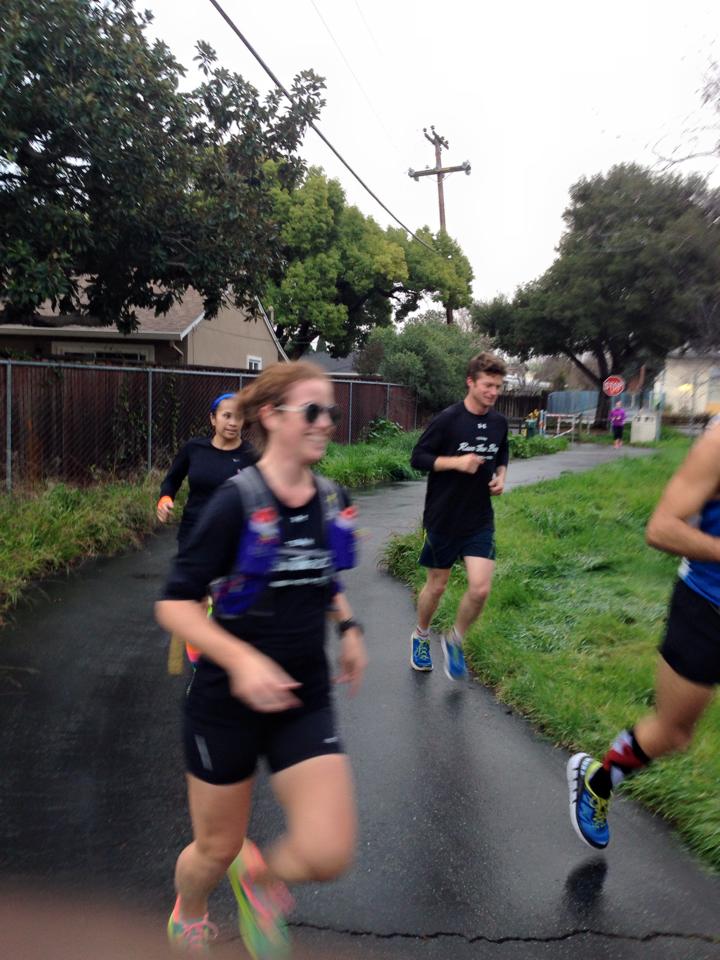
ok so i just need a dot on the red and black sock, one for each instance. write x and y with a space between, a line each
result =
624 758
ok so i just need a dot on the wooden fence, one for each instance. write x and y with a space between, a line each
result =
76 422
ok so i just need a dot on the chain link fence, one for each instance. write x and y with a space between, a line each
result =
80 423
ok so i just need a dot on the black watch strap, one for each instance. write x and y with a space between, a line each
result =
348 624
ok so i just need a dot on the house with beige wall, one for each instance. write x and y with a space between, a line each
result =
690 382
181 337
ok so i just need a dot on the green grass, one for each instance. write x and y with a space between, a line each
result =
366 464
50 529
570 632
388 459
522 448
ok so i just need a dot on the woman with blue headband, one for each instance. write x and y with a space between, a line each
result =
207 462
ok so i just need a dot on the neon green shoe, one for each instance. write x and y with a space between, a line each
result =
190 937
261 907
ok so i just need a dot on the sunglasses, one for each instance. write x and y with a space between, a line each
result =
313 410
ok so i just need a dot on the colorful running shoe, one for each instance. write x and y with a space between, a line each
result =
455 668
191 938
261 907
420 658
588 811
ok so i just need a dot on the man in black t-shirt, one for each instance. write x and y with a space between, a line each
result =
465 452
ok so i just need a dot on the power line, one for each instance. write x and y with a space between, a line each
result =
313 125
355 77
367 27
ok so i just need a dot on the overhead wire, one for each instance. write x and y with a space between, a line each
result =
311 123
367 27
355 77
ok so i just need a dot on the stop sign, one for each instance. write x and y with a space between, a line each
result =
613 386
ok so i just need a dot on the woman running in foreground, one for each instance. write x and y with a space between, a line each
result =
262 687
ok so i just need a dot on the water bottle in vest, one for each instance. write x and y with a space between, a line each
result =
343 535
260 542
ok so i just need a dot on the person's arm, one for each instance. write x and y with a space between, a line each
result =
425 454
694 483
172 483
353 655
463 463
254 678
497 484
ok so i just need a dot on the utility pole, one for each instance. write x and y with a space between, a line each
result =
440 172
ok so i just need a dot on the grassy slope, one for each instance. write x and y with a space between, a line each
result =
570 633
59 525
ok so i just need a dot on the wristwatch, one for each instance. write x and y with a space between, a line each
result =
348 624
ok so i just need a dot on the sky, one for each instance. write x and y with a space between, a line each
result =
535 95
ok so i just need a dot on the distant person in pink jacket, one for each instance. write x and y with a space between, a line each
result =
617 422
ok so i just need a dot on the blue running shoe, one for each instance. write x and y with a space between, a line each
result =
420 658
588 811
455 668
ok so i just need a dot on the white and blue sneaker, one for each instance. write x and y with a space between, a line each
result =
455 668
420 658
588 811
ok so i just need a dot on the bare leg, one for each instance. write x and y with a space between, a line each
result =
318 798
679 704
431 595
479 574
220 817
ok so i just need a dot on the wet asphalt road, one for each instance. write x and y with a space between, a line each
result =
466 849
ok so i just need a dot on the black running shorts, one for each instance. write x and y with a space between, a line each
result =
227 751
440 551
692 639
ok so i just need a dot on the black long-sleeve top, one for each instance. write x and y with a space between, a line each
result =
206 468
457 504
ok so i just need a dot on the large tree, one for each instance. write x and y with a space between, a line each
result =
116 189
638 269
428 354
345 275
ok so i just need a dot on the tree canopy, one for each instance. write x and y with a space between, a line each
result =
427 354
110 174
638 269
345 275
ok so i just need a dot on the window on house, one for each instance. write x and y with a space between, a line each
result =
713 397
254 363
103 352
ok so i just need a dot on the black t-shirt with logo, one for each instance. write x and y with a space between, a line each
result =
458 504
288 622
284 619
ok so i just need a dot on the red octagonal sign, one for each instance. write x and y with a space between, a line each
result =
613 386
